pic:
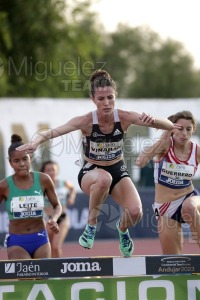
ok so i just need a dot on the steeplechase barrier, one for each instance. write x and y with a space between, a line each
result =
171 277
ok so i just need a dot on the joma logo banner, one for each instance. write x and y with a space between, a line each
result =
81 267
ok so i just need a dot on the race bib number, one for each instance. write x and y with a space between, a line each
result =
27 206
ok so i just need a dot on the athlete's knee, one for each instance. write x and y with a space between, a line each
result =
136 214
104 180
188 210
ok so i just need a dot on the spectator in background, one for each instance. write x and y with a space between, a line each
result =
23 193
176 160
66 194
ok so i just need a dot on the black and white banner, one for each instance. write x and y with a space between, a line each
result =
102 267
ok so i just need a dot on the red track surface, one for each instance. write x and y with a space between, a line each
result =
111 248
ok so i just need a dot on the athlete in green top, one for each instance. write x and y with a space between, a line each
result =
23 193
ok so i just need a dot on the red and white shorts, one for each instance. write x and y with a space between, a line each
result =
171 210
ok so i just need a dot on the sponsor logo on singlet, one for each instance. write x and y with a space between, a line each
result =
27 206
176 174
105 150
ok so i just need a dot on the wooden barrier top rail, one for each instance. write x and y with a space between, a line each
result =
100 266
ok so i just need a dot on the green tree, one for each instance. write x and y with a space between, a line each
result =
27 43
49 48
41 47
144 66
166 72
84 45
